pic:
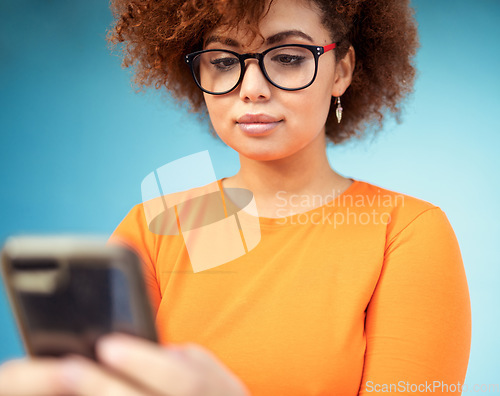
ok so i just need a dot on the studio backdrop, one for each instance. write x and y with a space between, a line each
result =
76 140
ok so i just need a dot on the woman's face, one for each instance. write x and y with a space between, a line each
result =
263 122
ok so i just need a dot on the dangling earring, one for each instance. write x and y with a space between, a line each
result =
339 110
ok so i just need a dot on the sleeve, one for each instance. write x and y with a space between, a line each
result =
134 234
418 321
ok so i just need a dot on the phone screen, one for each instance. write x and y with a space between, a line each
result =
65 303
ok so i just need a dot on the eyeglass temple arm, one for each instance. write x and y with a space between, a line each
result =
329 47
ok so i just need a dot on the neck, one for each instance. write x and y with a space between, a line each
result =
305 172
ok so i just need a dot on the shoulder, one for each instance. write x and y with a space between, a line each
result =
398 210
160 217
133 227
377 196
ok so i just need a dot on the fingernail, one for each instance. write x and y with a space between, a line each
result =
111 348
71 372
176 351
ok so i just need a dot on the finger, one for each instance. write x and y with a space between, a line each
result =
22 377
83 377
166 370
58 377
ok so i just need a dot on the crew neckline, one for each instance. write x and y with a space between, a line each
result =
294 219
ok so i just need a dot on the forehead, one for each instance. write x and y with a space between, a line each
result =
301 17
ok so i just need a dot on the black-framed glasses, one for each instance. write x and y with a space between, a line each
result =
290 67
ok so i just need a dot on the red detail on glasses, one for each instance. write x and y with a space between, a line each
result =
327 48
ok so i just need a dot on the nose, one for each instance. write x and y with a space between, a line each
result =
254 85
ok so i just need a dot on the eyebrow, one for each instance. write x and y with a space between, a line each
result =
274 39
281 36
223 40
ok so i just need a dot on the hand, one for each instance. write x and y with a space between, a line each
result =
129 366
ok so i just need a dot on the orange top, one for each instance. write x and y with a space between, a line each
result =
364 294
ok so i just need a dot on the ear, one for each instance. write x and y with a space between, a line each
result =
343 73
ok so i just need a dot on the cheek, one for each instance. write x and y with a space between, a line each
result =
219 110
216 111
311 109
321 100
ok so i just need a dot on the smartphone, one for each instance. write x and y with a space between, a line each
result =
66 292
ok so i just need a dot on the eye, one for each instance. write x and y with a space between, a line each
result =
224 64
288 59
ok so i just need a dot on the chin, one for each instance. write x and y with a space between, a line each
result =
261 157
260 149
264 155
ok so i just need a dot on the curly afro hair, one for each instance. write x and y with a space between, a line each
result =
157 34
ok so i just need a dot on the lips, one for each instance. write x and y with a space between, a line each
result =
258 124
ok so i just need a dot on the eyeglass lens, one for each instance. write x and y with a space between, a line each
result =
287 67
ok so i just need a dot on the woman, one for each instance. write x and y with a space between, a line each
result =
354 292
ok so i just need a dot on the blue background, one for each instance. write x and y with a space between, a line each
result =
76 140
